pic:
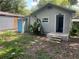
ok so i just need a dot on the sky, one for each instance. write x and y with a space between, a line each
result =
31 3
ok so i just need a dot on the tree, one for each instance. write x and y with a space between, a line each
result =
63 3
14 6
73 2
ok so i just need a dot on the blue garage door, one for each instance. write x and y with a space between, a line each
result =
20 25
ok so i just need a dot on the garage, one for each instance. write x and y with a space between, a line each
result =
10 21
6 22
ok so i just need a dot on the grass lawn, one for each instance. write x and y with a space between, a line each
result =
29 47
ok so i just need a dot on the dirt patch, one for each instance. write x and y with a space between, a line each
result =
63 50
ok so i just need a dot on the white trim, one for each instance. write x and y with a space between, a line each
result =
23 25
64 23
75 20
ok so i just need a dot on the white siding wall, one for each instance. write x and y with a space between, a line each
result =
75 20
6 22
51 15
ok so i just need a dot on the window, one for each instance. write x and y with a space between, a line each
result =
45 20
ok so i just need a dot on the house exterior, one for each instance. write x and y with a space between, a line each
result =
75 19
10 21
55 19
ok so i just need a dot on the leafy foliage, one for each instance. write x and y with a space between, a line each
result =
8 33
15 49
13 53
73 32
14 6
58 2
75 29
36 28
72 2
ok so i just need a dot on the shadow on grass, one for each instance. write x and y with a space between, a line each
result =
19 49
14 48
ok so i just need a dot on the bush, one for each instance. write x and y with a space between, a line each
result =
75 29
73 32
31 29
36 28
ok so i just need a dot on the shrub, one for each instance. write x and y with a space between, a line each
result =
31 29
36 28
73 32
75 29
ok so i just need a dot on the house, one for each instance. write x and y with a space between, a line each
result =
55 19
10 21
75 19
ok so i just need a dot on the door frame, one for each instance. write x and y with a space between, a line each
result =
63 22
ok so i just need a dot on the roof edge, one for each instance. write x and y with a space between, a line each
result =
70 10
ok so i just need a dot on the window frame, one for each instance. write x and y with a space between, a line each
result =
45 20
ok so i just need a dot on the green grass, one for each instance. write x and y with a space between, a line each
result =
20 48
29 47
12 49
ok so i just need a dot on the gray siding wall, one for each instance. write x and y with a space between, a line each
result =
50 26
6 22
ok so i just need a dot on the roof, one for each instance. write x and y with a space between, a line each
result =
10 14
49 4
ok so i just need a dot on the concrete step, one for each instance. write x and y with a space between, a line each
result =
55 41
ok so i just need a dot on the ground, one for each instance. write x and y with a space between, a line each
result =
26 46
